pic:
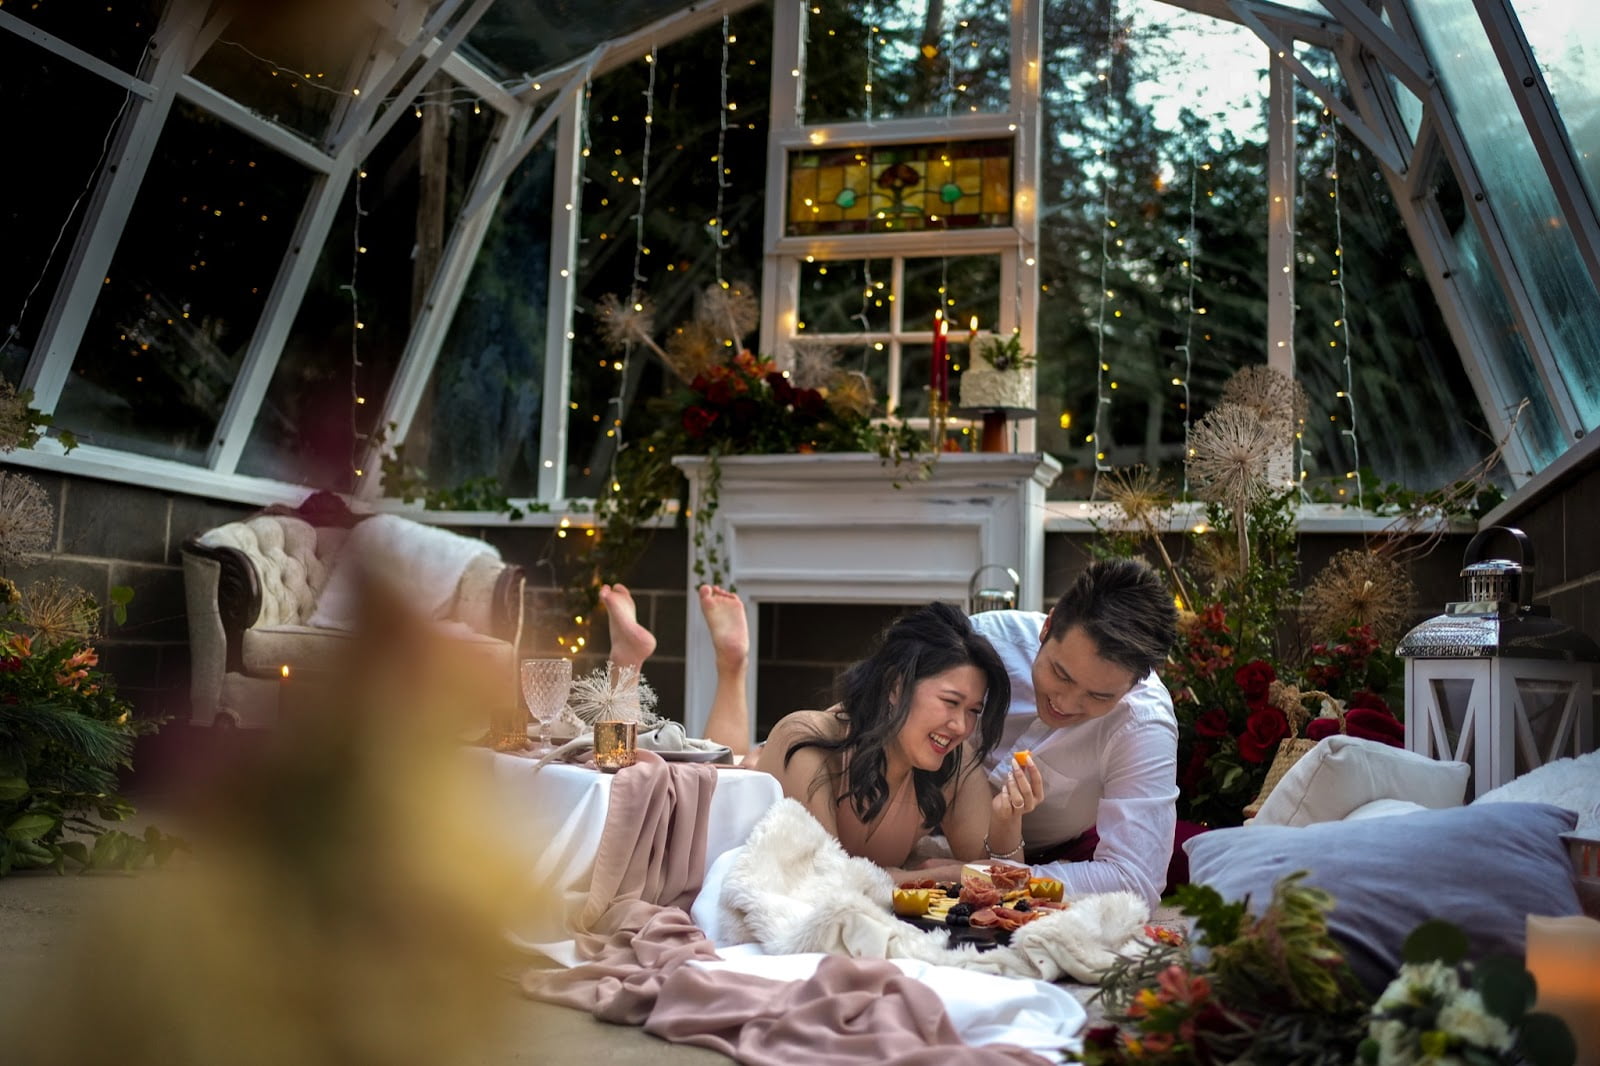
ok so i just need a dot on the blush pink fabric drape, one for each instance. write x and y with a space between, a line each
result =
635 938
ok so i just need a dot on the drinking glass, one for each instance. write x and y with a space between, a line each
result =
545 684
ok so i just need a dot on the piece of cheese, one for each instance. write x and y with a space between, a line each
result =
1023 756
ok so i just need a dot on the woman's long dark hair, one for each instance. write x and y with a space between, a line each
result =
875 694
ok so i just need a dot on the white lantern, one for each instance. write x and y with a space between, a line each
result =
1495 681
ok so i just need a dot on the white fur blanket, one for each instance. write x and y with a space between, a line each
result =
792 889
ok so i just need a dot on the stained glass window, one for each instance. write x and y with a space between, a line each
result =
890 188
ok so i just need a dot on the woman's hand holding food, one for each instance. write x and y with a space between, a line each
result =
1022 792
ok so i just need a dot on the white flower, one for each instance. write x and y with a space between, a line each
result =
614 694
1419 983
1466 1018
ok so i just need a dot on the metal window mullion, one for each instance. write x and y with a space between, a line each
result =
444 296
897 324
116 189
361 118
561 298
1504 265
1545 126
77 56
780 271
1403 58
246 121
1027 69
924 243
372 135
1375 100
900 130
1281 163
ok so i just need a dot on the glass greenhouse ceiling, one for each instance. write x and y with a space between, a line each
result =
289 244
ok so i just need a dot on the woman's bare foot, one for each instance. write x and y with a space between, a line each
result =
730 635
631 643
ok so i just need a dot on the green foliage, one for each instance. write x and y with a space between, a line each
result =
1006 354
1272 987
1466 499
65 734
410 483
22 425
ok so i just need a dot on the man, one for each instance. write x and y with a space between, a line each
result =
1086 702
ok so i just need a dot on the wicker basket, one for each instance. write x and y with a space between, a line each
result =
1289 699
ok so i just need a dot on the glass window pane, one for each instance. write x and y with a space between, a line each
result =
197 258
845 296
1565 38
482 414
878 59
916 363
311 425
117 33
1543 250
1180 125
1360 290
292 64
518 39
964 287
676 256
37 212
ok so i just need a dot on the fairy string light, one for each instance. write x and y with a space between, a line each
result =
1102 398
1190 241
1331 132
719 229
358 439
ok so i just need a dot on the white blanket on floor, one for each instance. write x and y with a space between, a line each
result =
425 561
791 889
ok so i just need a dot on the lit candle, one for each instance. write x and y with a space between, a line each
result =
942 357
283 687
936 365
1564 959
972 334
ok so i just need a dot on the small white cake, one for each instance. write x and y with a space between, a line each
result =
984 387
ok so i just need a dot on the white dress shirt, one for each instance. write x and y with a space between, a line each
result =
1116 773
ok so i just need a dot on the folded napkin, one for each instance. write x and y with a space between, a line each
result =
668 736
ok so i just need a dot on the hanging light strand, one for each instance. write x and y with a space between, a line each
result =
719 229
1331 131
1191 242
358 440
1102 397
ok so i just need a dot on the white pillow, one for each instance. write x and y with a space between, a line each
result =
1342 773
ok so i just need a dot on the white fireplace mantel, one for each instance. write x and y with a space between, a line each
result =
853 528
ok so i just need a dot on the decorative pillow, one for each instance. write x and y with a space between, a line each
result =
1483 868
1342 772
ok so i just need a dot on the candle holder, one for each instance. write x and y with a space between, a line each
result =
615 745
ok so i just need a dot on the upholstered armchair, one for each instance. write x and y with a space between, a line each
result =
253 588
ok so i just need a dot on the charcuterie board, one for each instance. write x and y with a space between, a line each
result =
983 908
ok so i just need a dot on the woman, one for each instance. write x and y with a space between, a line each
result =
892 760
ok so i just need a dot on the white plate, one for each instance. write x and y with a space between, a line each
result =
696 756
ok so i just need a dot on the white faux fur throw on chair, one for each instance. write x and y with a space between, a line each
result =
792 889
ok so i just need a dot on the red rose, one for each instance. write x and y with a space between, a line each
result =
1262 731
1370 724
1367 698
1195 769
1322 727
696 420
10 665
1254 678
1213 724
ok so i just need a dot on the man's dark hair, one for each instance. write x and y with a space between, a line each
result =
1125 608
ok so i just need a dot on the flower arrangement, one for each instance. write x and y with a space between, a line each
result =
64 732
1004 355
1261 668
1275 988
613 694
1441 1009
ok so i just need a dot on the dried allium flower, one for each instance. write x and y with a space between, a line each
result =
850 394
1218 558
1230 451
59 612
15 425
624 324
27 520
730 309
692 350
815 365
1359 588
614 694
1141 495
1273 395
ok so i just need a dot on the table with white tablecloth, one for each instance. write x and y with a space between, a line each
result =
551 820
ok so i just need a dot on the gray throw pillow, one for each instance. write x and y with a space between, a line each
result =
1483 868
